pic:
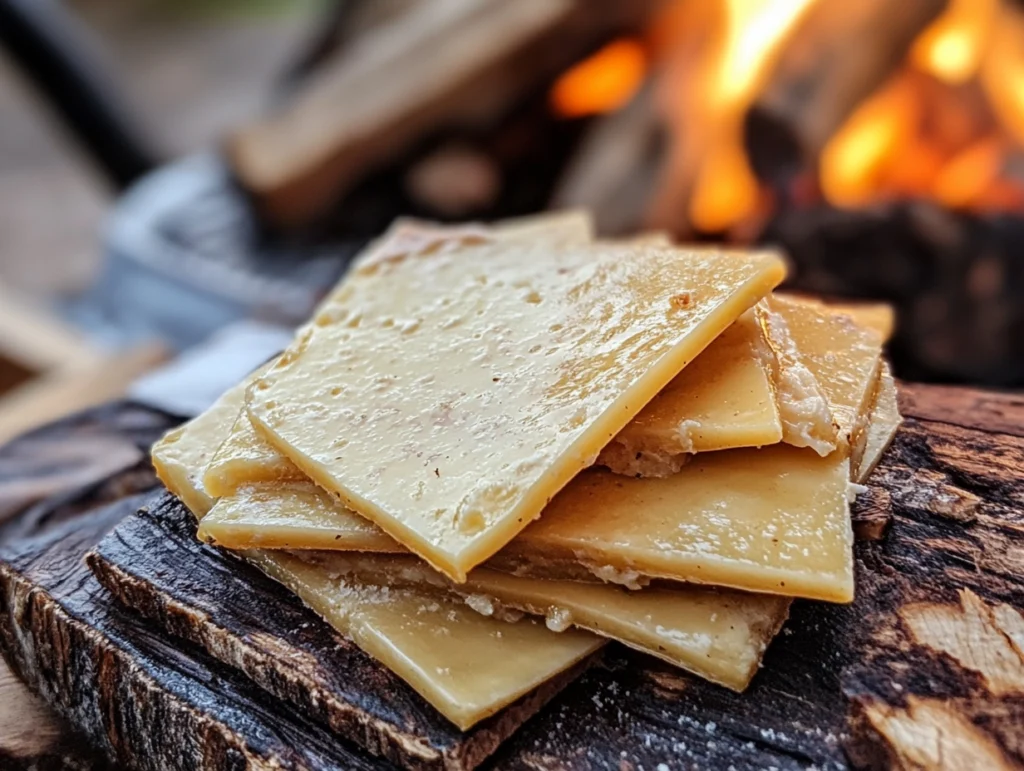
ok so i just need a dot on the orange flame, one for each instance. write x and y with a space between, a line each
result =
948 124
1002 73
952 47
726 190
932 131
968 174
605 81
853 160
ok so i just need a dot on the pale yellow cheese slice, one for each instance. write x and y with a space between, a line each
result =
450 401
774 520
572 226
724 399
408 236
885 420
877 316
464 664
181 455
468 666
802 404
844 358
719 635
290 515
244 457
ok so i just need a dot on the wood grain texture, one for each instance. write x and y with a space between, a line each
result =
153 563
33 738
924 670
144 700
88 448
46 476
965 407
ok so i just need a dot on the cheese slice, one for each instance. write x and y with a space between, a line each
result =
464 664
724 399
450 401
181 455
566 226
719 635
844 358
290 515
774 520
409 236
876 316
468 666
885 420
803 406
245 457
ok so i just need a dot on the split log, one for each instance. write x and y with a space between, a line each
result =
33 738
921 671
837 56
77 463
154 563
442 63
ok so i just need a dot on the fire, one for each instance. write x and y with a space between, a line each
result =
968 174
854 161
944 125
945 121
745 37
754 31
605 81
1002 73
953 46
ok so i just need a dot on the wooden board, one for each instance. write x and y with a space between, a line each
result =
924 670
48 475
145 700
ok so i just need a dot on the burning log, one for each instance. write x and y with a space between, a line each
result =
614 168
840 53
443 63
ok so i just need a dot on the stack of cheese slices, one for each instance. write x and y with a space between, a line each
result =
493 448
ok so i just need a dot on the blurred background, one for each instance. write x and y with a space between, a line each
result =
172 171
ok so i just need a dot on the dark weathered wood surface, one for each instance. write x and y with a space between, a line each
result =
924 670
145 700
45 476
87 448
153 563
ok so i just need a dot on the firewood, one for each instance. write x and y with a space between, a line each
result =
614 167
443 63
836 57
